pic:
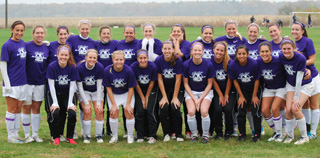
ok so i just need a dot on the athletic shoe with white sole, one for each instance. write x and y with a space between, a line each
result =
75 135
234 133
180 139
99 139
29 139
262 130
273 137
152 140
205 139
166 138
278 138
14 140
302 140
288 140
188 135
313 136
37 139
86 139
173 136
130 139
140 140
62 138
113 139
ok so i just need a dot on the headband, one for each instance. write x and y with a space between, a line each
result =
148 25
286 41
134 29
230 22
254 24
167 42
196 43
62 27
179 25
142 52
63 48
301 24
206 26
85 21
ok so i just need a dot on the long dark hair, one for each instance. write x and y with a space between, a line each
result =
14 24
174 58
241 46
303 27
210 27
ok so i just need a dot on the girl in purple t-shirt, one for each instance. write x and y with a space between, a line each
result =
305 45
62 76
254 41
37 55
198 75
91 91
207 41
13 70
178 38
62 33
149 43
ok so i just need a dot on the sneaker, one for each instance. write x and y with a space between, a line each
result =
309 134
194 139
125 135
86 139
75 135
151 140
99 139
273 137
113 139
288 140
302 140
313 136
241 138
173 136
166 138
205 139
188 135
217 137
278 138
262 131
234 133
19 138
63 139
180 139
37 139
29 139
130 139
227 137
256 138
56 141
210 135
14 140
71 141
140 140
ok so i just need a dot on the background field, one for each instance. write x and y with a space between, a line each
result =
219 148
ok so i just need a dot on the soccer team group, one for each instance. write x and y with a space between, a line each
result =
219 82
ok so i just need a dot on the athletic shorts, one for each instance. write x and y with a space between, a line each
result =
280 92
209 96
91 96
316 82
305 89
121 99
35 93
17 92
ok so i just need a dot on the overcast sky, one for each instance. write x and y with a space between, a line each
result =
109 1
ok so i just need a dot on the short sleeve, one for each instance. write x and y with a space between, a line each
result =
5 53
132 82
74 74
154 74
99 70
231 72
157 62
185 69
185 49
50 72
211 70
310 48
179 66
106 79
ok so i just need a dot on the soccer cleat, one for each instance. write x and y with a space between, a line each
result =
56 141
63 139
151 140
75 135
140 140
19 138
194 139
173 136
130 139
262 130
29 139
210 135
14 140
125 135
278 138
241 138
273 137
309 134
180 139
302 140
166 138
234 133
113 139
188 135
255 139
99 139
205 139
313 136
37 139
288 140
71 141
86 139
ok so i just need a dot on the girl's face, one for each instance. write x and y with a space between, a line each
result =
242 55
177 32
63 56
84 30
129 34
219 51
143 60
148 32
105 35
274 32
231 30
265 53
287 50
17 32
38 35
296 31
253 33
167 50
63 36
118 61
207 34
91 59
197 51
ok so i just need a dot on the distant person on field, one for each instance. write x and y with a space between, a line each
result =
252 19
294 18
266 21
280 23
309 21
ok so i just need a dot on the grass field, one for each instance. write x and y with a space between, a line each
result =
214 148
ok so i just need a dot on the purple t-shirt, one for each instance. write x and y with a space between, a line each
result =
254 48
208 49
14 53
198 75
130 50
105 51
272 73
61 76
157 47
291 66
305 45
36 63
168 73
89 77
145 75
185 49
120 82
245 75
221 74
233 43
276 49
53 51
79 47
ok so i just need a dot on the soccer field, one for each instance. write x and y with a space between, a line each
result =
220 148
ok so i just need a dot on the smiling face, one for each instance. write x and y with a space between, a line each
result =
148 32
177 32
91 59
197 51
287 50
275 33
265 53
231 30
167 50
143 60
84 30
63 57
219 51
242 56
207 34
105 35
296 31
253 32
129 34
17 32
62 36
38 35
118 61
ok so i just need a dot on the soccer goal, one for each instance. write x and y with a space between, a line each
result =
304 20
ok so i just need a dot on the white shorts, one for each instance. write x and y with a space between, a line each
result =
35 93
306 89
280 92
316 83
209 96
121 99
17 92
91 96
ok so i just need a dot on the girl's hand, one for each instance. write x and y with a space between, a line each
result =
241 101
53 108
226 99
163 101
296 104
255 101
175 101
129 109
222 101
74 108
87 108
113 109
99 109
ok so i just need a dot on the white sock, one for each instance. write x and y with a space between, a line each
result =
314 121
205 125
86 127
302 127
35 124
81 121
270 122
250 120
99 127
307 115
278 124
284 123
114 125
26 121
17 119
290 125
130 126
10 124
192 122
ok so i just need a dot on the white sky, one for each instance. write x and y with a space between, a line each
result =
106 1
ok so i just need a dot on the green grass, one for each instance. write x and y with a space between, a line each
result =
160 149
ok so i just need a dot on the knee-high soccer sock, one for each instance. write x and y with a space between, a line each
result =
307 116
302 127
10 124
250 120
205 125
284 123
17 119
290 127
81 121
35 124
114 125
192 122
314 121
130 126
26 124
99 127
278 124
270 122
86 127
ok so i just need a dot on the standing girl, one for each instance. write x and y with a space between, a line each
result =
149 43
207 41
181 45
275 34
62 33
254 41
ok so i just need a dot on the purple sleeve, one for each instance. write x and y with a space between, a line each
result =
185 49
158 47
154 74
50 73
5 53
244 40
231 72
302 64
132 82
100 71
79 74
74 74
185 69
257 71
211 70
310 48
157 62
106 80
179 65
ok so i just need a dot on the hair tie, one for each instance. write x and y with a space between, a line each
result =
142 52
206 26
